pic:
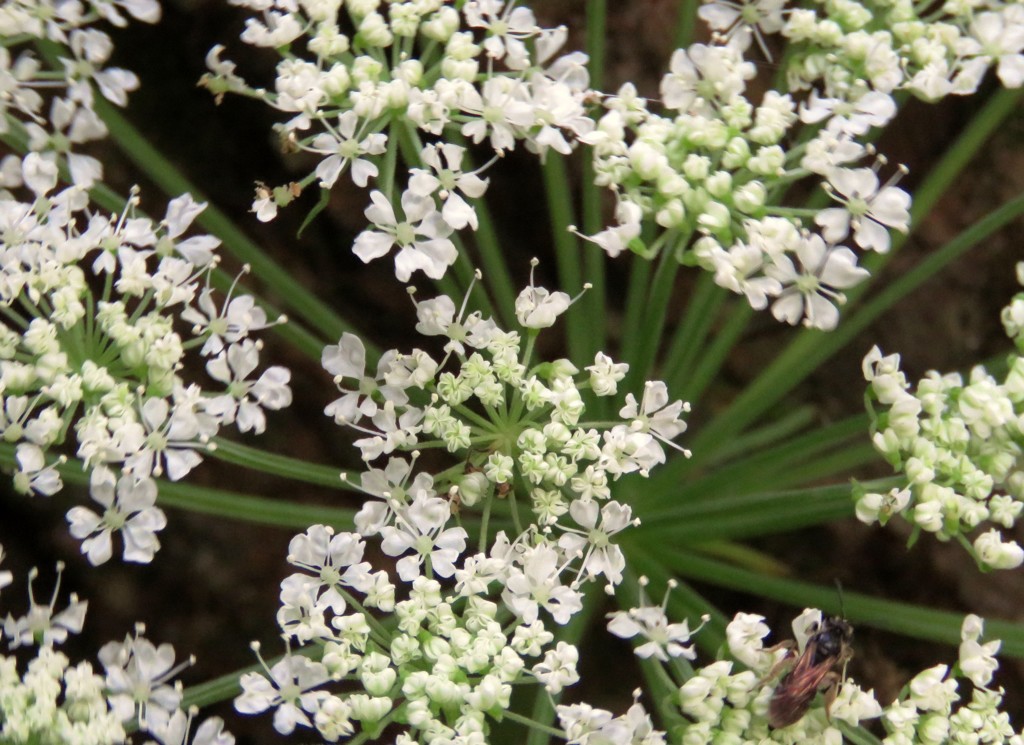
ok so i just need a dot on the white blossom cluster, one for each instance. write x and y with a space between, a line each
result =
959 444
461 628
52 105
711 170
518 429
99 314
717 164
728 700
371 73
51 701
98 311
443 663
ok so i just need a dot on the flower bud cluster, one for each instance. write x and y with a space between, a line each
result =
444 670
711 164
52 700
715 162
99 315
933 708
853 47
516 431
467 626
959 445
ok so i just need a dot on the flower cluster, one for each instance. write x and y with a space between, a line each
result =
446 666
58 131
716 163
99 313
55 701
517 431
959 445
467 626
373 76
932 707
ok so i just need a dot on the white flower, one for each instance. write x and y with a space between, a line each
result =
233 322
332 562
745 635
507 27
245 400
664 640
809 294
701 76
536 308
533 582
992 551
447 179
977 661
558 668
501 111
129 508
41 626
853 705
593 544
420 528
997 38
33 475
873 109
164 433
291 690
616 239
655 414
736 19
137 675
605 374
344 148
422 237
931 690
868 209
874 507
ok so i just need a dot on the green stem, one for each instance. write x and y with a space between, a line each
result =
686 23
688 339
734 517
163 173
221 503
683 600
534 726
652 327
714 355
902 618
594 303
567 249
255 459
636 301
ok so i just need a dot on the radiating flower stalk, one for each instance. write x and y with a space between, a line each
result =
493 495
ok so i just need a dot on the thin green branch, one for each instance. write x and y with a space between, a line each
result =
255 459
889 615
163 173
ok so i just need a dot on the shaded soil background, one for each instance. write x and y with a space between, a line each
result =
214 584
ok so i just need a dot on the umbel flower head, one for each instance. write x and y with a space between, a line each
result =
100 314
957 442
519 428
